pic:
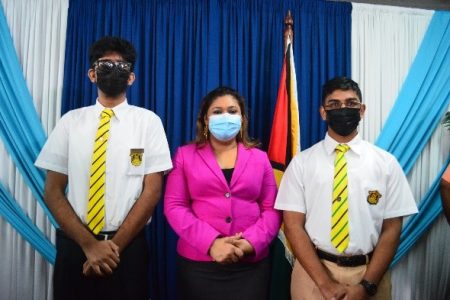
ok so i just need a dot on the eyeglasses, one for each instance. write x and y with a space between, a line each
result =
335 104
108 65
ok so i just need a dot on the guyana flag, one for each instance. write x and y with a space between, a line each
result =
284 144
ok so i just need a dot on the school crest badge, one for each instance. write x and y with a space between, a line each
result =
373 197
136 156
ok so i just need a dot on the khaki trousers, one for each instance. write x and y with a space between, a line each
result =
304 288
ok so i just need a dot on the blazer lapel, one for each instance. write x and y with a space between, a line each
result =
207 154
243 156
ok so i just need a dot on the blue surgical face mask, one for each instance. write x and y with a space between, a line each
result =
224 127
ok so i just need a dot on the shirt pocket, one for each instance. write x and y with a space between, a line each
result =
136 162
374 197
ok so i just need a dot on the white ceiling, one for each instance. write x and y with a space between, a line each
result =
426 4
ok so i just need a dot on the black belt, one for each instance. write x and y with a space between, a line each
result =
345 261
105 235
102 236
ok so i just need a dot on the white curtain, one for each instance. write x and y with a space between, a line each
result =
38 29
385 40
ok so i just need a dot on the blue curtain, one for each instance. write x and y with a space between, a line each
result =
423 98
422 102
23 137
430 207
20 127
186 48
11 211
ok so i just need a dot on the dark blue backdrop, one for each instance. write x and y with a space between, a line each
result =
188 47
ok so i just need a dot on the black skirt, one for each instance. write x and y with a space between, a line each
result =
213 281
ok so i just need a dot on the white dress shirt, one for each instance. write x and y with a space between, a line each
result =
306 187
69 149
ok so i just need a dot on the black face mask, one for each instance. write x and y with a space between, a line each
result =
343 121
113 81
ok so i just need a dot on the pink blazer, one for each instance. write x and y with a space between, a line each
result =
201 206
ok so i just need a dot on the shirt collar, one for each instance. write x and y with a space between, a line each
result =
330 144
119 110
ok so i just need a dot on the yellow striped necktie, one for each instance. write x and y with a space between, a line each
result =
96 204
339 218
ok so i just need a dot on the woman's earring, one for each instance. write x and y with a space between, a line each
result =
205 132
241 134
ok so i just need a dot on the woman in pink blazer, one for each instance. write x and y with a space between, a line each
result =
219 200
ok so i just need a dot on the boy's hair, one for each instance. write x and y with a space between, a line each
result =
110 44
340 83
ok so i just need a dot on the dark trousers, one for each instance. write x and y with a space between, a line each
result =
128 281
213 281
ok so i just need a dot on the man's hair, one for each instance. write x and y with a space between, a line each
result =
340 83
109 44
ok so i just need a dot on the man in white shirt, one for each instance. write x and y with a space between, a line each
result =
103 255
343 251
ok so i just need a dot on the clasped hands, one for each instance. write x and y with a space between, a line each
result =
102 258
230 249
338 291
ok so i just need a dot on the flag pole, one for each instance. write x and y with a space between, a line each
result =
284 144
288 29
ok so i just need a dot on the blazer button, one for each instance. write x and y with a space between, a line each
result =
228 220
227 195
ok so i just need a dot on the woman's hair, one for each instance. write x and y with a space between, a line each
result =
242 137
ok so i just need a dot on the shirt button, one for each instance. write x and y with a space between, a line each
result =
228 220
227 195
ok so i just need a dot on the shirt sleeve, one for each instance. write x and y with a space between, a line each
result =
261 234
54 154
197 233
291 194
400 200
157 153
